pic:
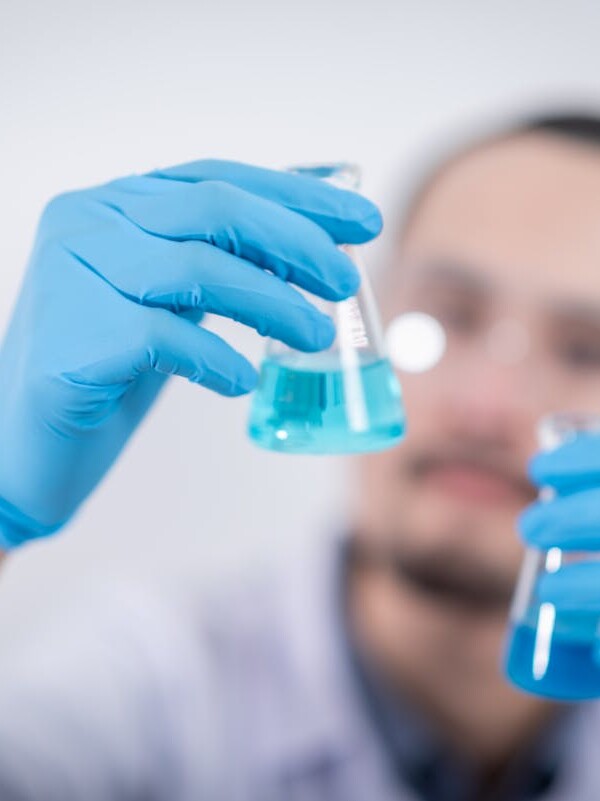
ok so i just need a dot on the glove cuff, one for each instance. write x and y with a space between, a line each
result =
16 528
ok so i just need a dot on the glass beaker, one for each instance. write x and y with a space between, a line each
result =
550 652
345 399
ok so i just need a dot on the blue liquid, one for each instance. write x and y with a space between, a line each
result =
571 673
307 404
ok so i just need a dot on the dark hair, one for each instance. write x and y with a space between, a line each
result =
583 126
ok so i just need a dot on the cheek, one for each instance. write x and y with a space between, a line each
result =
379 470
379 487
424 401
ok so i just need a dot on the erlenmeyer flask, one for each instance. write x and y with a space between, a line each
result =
346 399
552 652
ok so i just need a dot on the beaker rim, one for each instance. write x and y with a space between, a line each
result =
344 174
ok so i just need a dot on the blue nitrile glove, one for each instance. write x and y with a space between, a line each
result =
119 276
570 521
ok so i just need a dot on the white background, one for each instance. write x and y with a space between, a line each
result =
89 91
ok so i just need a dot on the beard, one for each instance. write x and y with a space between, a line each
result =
459 582
435 546
448 576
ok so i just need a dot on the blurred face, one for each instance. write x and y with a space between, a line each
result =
504 250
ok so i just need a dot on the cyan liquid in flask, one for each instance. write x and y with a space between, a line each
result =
551 652
346 399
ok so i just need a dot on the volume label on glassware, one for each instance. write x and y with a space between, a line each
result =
343 400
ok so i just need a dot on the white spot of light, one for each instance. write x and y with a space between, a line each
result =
543 640
415 342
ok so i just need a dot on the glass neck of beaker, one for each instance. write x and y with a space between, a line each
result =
343 174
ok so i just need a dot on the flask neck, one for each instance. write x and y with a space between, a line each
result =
343 174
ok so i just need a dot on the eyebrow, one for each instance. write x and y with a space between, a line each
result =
461 275
457 275
575 312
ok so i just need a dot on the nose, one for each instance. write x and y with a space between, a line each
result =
493 400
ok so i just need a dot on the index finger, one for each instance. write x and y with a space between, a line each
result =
572 466
346 216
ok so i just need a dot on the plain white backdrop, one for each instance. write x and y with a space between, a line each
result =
90 91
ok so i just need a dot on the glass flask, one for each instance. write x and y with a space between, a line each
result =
551 653
345 399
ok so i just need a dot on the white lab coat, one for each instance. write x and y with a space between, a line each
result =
243 696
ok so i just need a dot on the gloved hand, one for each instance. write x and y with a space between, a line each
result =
119 277
570 521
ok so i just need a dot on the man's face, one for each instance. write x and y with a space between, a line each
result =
504 250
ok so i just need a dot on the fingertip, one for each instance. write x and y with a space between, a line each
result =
526 524
372 223
231 385
246 380
350 282
343 278
364 218
354 221
318 335
536 469
324 332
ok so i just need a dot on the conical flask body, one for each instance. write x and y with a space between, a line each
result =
345 399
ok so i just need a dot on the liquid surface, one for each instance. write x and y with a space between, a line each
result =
310 405
571 673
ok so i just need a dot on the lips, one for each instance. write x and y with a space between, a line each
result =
478 484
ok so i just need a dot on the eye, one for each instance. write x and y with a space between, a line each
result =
581 354
457 317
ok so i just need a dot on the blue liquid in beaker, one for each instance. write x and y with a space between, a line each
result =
311 405
568 671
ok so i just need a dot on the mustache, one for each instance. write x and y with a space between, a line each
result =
470 587
488 458
477 590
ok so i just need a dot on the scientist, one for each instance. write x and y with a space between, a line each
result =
371 670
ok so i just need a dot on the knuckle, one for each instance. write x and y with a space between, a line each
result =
188 258
223 214
59 205
211 166
148 328
219 194
65 214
